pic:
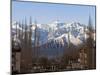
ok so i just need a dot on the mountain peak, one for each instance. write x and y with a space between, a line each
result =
57 31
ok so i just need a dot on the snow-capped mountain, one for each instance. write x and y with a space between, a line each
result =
54 38
59 32
56 31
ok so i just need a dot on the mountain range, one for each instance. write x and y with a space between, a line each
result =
55 36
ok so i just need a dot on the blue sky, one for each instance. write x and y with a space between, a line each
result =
47 12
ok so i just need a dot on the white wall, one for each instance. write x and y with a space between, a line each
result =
5 37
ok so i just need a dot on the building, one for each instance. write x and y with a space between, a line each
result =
16 53
83 58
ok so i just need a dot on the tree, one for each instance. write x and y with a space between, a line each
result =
90 47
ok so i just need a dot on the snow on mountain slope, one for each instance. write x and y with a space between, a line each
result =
15 24
75 41
71 39
57 31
